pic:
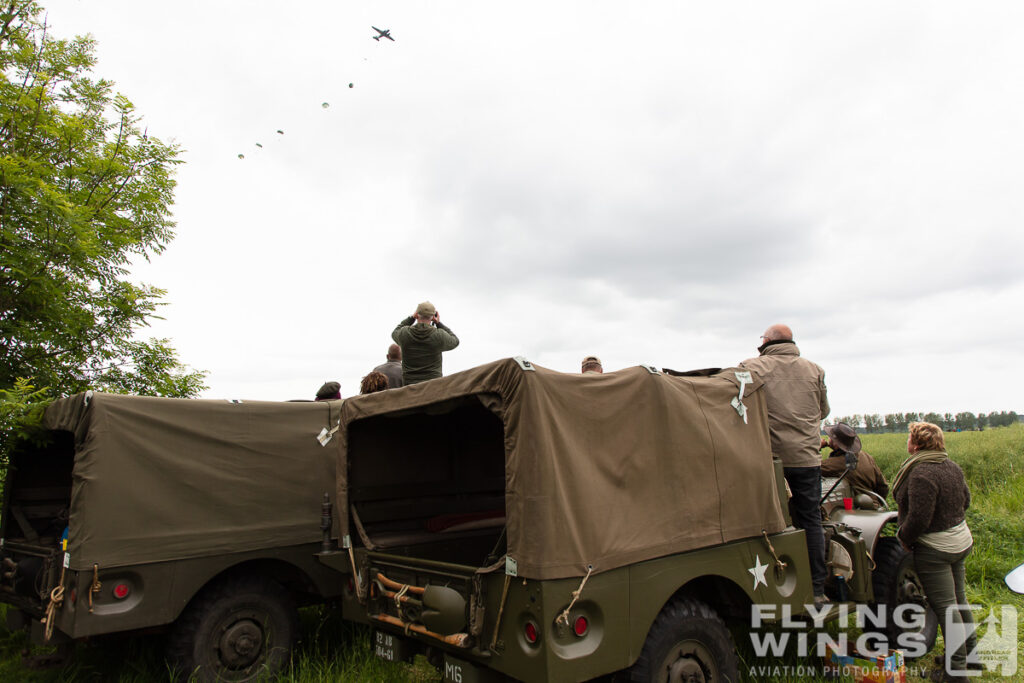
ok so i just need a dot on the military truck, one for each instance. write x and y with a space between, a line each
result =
188 516
512 522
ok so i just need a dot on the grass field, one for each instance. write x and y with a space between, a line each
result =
993 463
332 650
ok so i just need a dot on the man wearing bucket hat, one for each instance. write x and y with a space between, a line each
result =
843 439
423 338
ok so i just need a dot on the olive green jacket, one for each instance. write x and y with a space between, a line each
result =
797 402
422 346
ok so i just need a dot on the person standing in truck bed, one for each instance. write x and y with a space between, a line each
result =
393 368
797 403
330 391
423 338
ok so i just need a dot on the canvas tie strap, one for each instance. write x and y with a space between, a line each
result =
56 600
325 436
367 543
871 559
476 608
398 601
737 403
96 585
501 610
356 579
779 564
564 616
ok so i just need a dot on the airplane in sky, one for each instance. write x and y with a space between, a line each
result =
386 33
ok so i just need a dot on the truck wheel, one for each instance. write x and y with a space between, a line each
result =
237 630
895 583
688 642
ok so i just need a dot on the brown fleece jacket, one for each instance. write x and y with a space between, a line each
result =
934 498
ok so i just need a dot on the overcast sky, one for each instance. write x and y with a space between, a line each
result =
651 182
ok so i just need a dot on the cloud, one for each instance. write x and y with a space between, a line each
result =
652 183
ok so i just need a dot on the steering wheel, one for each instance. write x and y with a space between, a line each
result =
885 506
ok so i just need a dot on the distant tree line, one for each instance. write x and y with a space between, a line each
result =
897 422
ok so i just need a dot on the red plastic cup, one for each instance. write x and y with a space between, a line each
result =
848 503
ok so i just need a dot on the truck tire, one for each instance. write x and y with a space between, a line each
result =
895 583
687 642
239 629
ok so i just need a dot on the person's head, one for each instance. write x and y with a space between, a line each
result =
425 312
591 364
925 436
330 391
375 381
777 332
394 352
843 437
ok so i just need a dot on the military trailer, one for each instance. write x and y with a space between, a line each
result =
190 516
512 522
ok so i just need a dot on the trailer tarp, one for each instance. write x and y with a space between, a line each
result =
604 470
159 479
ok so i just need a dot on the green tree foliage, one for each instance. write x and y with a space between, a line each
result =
21 408
1002 419
894 422
83 192
965 421
873 423
898 422
852 420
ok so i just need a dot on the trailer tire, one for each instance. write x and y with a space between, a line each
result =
239 629
895 583
687 641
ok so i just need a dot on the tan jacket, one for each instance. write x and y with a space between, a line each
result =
797 402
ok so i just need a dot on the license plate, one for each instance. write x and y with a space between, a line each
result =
391 648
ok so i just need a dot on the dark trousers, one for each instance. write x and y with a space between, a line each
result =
942 577
805 509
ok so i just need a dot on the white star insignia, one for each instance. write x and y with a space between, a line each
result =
758 571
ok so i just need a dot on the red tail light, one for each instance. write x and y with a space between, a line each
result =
580 626
121 591
531 633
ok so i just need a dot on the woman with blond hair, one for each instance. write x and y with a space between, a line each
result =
932 496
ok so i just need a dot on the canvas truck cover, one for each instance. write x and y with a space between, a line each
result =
159 479
605 469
